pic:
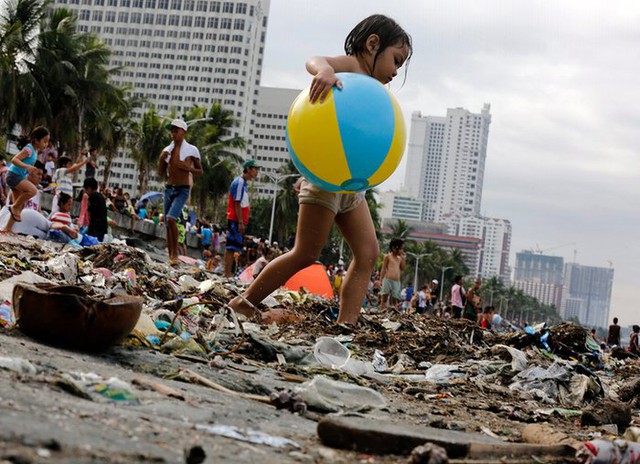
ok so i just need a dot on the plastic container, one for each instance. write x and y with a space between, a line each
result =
331 353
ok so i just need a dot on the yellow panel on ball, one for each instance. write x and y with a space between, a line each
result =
315 137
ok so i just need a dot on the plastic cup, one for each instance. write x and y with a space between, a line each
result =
331 353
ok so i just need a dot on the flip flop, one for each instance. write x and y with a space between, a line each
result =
15 218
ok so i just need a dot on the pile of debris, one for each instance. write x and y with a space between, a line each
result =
546 375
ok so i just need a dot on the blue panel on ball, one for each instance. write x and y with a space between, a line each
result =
366 120
315 180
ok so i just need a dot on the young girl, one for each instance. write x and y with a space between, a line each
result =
376 47
63 217
21 165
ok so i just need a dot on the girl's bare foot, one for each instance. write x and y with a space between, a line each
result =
243 306
277 315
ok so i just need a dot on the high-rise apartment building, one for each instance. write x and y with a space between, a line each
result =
181 53
445 170
398 205
540 276
269 139
446 160
587 294
492 256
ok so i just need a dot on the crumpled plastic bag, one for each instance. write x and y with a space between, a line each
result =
518 358
546 384
442 374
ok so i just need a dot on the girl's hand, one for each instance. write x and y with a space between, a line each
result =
297 185
322 83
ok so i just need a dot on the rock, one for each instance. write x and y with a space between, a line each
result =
428 454
195 455
607 412
545 434
630 391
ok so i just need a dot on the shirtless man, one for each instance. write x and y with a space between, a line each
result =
392 266
177 163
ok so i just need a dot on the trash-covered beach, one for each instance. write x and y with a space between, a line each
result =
193 383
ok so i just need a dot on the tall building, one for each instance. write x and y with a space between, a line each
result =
181 53
269 139
492 256
398 205
446 160
540 276
587 294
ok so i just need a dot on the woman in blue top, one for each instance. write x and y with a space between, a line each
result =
21 165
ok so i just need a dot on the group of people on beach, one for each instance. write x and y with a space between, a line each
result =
378 47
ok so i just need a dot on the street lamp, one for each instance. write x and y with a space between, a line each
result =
444 269
276 179
417 257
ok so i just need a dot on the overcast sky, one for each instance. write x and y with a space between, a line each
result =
563 81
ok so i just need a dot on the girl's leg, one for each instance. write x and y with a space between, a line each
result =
314 224
357 228
21 193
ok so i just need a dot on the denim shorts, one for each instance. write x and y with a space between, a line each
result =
13 179
175 196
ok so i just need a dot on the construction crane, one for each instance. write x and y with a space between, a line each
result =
540 251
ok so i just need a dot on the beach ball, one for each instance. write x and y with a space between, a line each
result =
496 319
352 141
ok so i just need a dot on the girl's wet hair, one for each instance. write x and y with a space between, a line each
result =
389 32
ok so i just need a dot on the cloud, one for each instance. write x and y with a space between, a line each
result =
561 78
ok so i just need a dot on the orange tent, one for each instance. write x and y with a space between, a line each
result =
314 279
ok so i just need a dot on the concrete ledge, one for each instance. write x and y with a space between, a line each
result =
146 228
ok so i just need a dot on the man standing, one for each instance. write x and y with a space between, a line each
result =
613 337
238 213
458 297
177 163
432 292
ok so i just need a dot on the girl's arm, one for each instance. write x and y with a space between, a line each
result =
17 160
324 69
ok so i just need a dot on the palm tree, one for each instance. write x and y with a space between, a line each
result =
72 73
113 129
491 289
217 145
149 137
400 230
19 23
374 208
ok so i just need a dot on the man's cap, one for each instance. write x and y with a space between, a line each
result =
179 123
435 281
250 164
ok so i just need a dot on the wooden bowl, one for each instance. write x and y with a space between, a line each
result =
65 315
